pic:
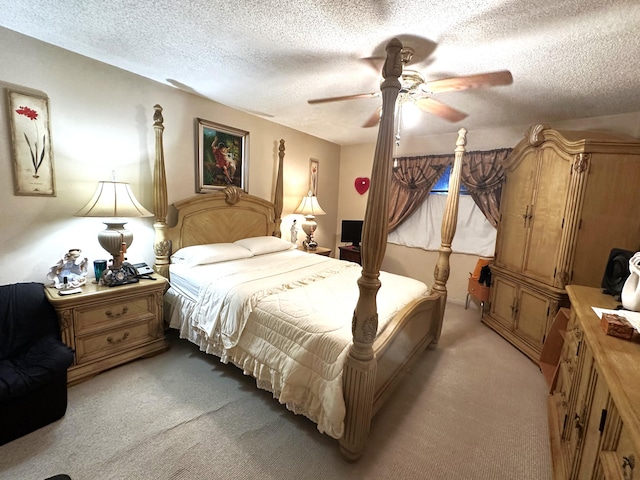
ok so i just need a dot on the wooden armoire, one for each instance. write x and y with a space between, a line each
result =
569 198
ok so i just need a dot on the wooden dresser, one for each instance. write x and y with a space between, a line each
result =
594 407
569 198
109 326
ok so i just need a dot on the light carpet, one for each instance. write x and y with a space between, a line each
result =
473 408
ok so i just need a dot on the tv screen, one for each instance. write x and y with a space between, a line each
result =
351 232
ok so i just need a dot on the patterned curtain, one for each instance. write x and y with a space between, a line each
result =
411 182
483 175
414 177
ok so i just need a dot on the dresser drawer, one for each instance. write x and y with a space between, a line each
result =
108 342
98 316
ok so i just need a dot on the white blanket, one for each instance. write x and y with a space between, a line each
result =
285 319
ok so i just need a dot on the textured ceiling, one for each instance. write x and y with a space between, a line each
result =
569 58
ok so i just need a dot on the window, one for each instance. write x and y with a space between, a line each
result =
442 185
474 234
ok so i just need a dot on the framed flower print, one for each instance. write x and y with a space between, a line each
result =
33 169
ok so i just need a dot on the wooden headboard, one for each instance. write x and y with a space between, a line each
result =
224 216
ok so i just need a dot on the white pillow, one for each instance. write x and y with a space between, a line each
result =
211 253
262 245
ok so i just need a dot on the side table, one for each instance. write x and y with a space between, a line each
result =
318 251
350 254
109 326
478 291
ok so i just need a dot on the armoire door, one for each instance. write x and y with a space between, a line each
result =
521 313
532 317
547 214
503 301
515 205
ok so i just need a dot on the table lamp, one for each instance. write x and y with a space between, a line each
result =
309 207
116 201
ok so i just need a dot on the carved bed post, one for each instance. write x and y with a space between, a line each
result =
449 220
161 246
279 194
360 366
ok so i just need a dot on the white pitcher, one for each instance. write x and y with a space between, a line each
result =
630 295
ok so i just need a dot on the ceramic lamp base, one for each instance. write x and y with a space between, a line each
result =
112 238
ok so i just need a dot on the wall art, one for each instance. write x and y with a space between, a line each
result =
33 169
222 157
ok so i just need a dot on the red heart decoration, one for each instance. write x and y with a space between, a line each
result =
362 184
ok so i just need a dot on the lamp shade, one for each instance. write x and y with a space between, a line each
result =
310 206
113 199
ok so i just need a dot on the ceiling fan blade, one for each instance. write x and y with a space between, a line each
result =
491 79
373 119
435 107
346 97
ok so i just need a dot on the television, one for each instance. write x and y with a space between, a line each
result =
351 232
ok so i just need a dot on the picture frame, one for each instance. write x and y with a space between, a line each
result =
222 157
33 166
314 167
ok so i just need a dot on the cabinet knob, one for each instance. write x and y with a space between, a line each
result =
528 215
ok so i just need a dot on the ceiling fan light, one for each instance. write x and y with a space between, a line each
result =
410 114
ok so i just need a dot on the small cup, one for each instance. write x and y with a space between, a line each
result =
99 266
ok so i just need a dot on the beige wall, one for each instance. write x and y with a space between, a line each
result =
102 120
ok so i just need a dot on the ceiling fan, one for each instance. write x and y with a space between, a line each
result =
414 89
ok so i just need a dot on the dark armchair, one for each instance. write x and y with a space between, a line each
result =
33 361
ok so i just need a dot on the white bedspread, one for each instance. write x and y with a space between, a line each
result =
285 319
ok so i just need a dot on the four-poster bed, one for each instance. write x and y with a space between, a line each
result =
339 367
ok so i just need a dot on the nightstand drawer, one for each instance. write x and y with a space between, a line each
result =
89 318
104 343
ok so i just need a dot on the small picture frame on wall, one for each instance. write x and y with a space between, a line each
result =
222 157
33 169
314 166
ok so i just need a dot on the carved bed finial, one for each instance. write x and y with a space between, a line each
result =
392 68
158 120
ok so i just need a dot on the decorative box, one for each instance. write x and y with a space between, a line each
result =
616 326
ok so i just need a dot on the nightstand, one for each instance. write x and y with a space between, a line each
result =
109 326
350 254
478 291
318 251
